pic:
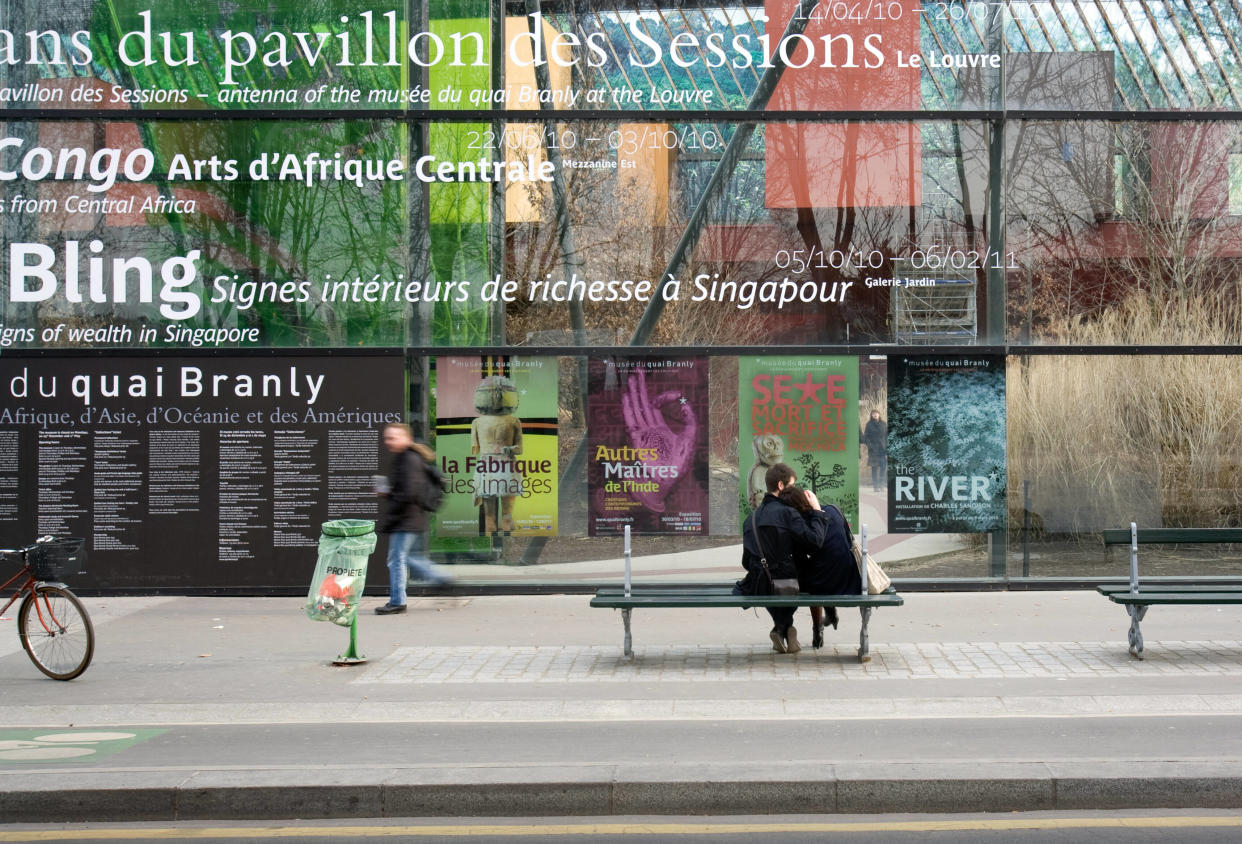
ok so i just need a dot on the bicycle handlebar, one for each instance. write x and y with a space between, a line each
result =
41 540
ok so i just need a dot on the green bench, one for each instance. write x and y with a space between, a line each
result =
1137 597
657 596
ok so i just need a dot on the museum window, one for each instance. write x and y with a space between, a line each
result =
1025 207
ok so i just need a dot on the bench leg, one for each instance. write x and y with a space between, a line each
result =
629 641
1137 611
864 640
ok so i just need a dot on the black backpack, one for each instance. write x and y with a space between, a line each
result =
435 487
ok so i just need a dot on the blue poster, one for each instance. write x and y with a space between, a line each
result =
946 443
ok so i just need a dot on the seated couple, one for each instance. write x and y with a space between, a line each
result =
801 540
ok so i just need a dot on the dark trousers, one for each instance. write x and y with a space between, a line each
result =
782 617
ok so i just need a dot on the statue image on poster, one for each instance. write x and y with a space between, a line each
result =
769 449
946 443
648 465
495 439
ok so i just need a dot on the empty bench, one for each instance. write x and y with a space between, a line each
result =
1138 597
656 596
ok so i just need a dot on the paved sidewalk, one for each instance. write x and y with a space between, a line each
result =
227 708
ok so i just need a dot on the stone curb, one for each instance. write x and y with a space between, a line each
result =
207 796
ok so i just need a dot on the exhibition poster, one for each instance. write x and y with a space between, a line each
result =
801 410
496 442
946 443
648 444
210 470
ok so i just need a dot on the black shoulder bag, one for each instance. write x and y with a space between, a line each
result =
780 585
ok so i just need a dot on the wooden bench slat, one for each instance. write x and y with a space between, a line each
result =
1173 536
713 590
1117 588
688 600
1146 598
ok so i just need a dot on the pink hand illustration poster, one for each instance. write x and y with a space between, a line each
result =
647 436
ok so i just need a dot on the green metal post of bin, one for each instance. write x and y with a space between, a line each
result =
351 655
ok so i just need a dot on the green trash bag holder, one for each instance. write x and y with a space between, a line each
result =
359 529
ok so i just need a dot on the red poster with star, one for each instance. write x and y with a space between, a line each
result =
800 410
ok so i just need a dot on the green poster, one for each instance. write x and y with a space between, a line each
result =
801 410
496 440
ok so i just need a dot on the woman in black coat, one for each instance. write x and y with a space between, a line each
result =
875 438
828 570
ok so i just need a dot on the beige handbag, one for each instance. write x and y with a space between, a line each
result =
877 580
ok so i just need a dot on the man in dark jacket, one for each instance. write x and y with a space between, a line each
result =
774 532
405 518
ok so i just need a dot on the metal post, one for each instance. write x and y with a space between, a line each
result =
1133 558
996 266
1026 528
862 564
627 561
351 656
1135 634
629 640
864 639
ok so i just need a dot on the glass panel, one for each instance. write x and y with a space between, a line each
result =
232 234
670 175
1124 233
788 233
1101 441
201 54
894 55
698 233
1123 55
279 54
971 414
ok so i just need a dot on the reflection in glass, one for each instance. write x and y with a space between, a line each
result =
1125 233
236 237
903 259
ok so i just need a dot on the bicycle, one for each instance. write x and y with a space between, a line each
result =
54 627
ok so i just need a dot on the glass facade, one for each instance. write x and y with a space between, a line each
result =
611 260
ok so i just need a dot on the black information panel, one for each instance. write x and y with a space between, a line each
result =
193 472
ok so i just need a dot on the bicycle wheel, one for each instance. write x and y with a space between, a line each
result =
56 632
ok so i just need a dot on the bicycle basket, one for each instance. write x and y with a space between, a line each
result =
51 560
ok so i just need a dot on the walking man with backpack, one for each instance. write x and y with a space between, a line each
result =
410 497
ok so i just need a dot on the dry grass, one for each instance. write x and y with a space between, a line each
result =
1105 440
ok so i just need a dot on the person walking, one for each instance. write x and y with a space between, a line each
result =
405 517
875 437
776 532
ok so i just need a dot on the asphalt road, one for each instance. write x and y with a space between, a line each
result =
674 743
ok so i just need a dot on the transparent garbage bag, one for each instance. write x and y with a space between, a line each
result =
341 571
